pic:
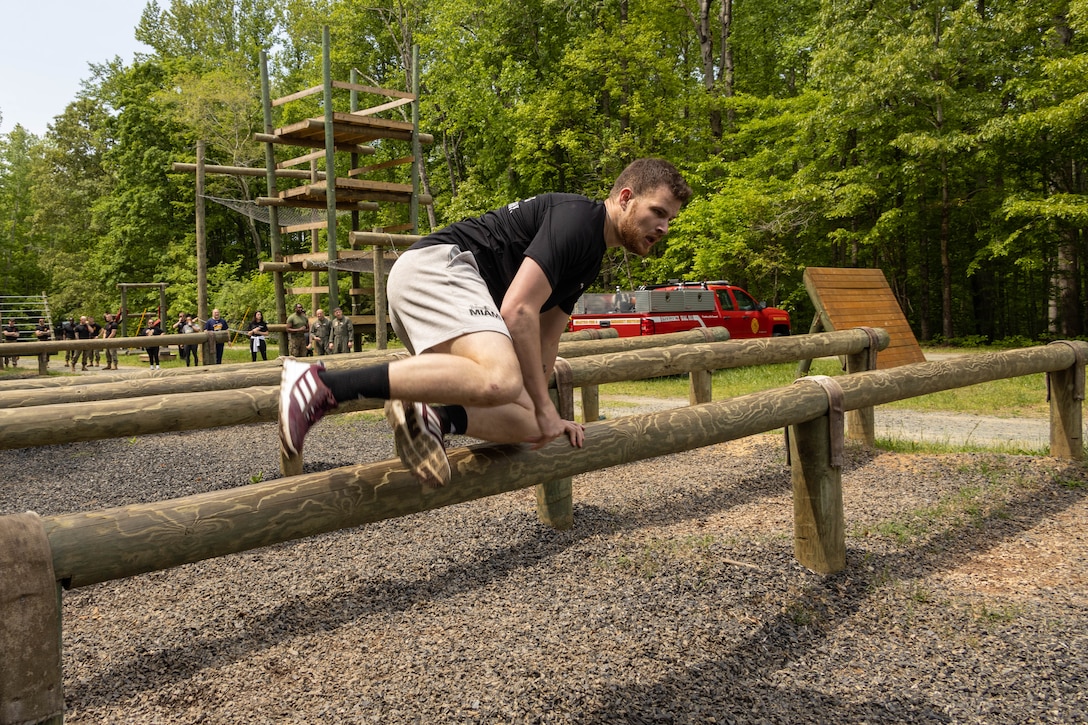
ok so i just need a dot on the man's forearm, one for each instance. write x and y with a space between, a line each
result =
525 334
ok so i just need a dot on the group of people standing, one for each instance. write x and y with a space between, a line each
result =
323 336
88 329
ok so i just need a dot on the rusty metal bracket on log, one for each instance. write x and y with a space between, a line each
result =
564 388
1078 377
708 334
835 415
874 344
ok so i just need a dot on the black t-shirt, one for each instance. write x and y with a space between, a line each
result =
563 233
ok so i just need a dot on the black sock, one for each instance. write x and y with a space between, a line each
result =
368 382
454 418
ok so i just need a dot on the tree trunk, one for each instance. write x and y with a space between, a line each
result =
701 21
1067 286
725 19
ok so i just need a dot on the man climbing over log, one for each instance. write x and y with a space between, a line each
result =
480 305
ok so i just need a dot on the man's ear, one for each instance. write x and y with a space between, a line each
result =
625 197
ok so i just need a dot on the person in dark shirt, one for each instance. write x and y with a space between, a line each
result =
44 333
109 332
215 323
95 331
258 331
82 333
481 305
10 337
68 332
154 329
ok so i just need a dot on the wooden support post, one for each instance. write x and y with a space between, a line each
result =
803 366
819 533
816 455
700 387
124 311
1065 390
555 499
274 238
381 304
31 685
201 239
330 165
861 423
591 403
356 280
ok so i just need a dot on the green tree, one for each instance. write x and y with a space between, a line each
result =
21 250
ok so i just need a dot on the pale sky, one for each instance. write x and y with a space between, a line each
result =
45 50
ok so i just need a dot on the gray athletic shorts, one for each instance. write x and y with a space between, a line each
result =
436 294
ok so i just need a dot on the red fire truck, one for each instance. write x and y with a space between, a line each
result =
677 307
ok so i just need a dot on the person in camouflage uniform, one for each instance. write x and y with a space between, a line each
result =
319 333
343 333
297 326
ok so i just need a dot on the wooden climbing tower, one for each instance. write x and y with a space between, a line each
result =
352 131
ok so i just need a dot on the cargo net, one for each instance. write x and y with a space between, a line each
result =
286 217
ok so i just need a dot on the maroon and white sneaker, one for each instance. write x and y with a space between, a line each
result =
420 442
304 399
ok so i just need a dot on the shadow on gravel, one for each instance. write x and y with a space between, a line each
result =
733 685
738 682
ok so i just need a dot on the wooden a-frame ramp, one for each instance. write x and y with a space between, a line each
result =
847 298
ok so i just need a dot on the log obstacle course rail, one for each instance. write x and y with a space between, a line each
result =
233 378
125 417
115 343
91 547
267 372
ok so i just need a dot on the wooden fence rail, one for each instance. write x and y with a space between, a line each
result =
121 418
44 349
245 375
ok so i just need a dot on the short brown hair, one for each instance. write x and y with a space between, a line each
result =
645 175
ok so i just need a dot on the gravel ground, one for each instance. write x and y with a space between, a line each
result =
674 599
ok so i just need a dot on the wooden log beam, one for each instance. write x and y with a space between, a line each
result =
246 171
594 333
317 204
382 239
127 417
121 418
581 347
67 381
677 359
117 343
98 546
313 144
322 290
244 375
388 92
